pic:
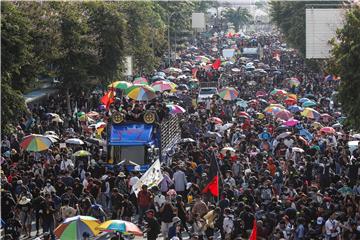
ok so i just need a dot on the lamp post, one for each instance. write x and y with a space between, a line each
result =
169 43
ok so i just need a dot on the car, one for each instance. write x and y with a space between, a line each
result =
206 93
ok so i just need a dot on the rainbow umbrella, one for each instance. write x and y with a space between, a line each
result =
141 80
120 85
175 109
293 82
141 92
290 101
35 143
228 93
283 114
328 130
309 104
293 96
278 92
310 113
272 110
74 228
120 226
162 86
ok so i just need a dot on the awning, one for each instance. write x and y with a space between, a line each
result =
131 134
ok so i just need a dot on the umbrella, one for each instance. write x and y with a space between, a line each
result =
202 59
277 105
120 85
187 140
75 141
290 101
242 103
264 135
311 96
225 149
81 153
293 82
120 226
228 93
356 136
260 115
236 70
51 133
224 127
79 114
141 80
278 92
337 125
299 150
182 87
210 134
157 77
310 113
173 70
306 134
291 122
175 109
295 108
161 74
243 114
345 190
283 135
74 227
216 120
283 114
141 93
328 130
93 114
162 86
260 94
35 143
302 100
53 138
309 104
272 110
353 145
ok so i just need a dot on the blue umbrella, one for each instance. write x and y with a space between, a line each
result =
264 136
302 100
309 104
305 133
242 103
295 108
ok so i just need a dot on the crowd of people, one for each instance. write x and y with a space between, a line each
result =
295 181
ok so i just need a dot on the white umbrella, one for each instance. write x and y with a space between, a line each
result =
50 133
299 150
75 141
187 140
283 135
353 145
53 138
356 136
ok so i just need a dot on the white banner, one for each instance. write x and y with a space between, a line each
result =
152 177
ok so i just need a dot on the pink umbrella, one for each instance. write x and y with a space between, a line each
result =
216 120
244 114
260 94
291 122
325 117
284 115
328 130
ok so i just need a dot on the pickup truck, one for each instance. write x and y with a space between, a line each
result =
206 93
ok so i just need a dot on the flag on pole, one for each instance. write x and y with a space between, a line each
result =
108 98
216 64
213 178
253 235
152 177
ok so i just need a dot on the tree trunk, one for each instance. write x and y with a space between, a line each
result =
68 101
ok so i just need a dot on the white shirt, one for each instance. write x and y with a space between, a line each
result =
330 225
159 199
133 181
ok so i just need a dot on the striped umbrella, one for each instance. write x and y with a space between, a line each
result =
120 226
141 92
293 82
310 113
202 59
162 86
120 85
141 80
228 93
278 92
35 143
175 109
75 227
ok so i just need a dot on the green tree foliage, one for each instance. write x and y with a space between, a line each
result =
238 16
345 63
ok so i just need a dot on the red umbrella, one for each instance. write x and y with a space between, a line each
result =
244 114
290 101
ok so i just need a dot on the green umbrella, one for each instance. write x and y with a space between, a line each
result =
81 153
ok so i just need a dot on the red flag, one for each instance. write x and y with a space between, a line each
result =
253 232
213 179
108 98
216 64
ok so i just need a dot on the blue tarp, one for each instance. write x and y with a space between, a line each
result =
131 134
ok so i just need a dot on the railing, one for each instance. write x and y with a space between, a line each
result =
170 133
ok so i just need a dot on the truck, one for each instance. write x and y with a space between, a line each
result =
141 142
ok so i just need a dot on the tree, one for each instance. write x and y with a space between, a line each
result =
238 17
78 53
107 25
16 55
345 63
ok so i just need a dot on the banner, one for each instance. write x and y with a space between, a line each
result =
152 177
138 168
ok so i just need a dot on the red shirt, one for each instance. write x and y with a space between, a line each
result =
144 199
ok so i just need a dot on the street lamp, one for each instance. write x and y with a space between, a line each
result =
168 23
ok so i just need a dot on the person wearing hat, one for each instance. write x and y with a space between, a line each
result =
153 227
174 230
121 183
25 208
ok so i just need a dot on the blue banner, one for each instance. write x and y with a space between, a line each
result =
139 168
131 134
